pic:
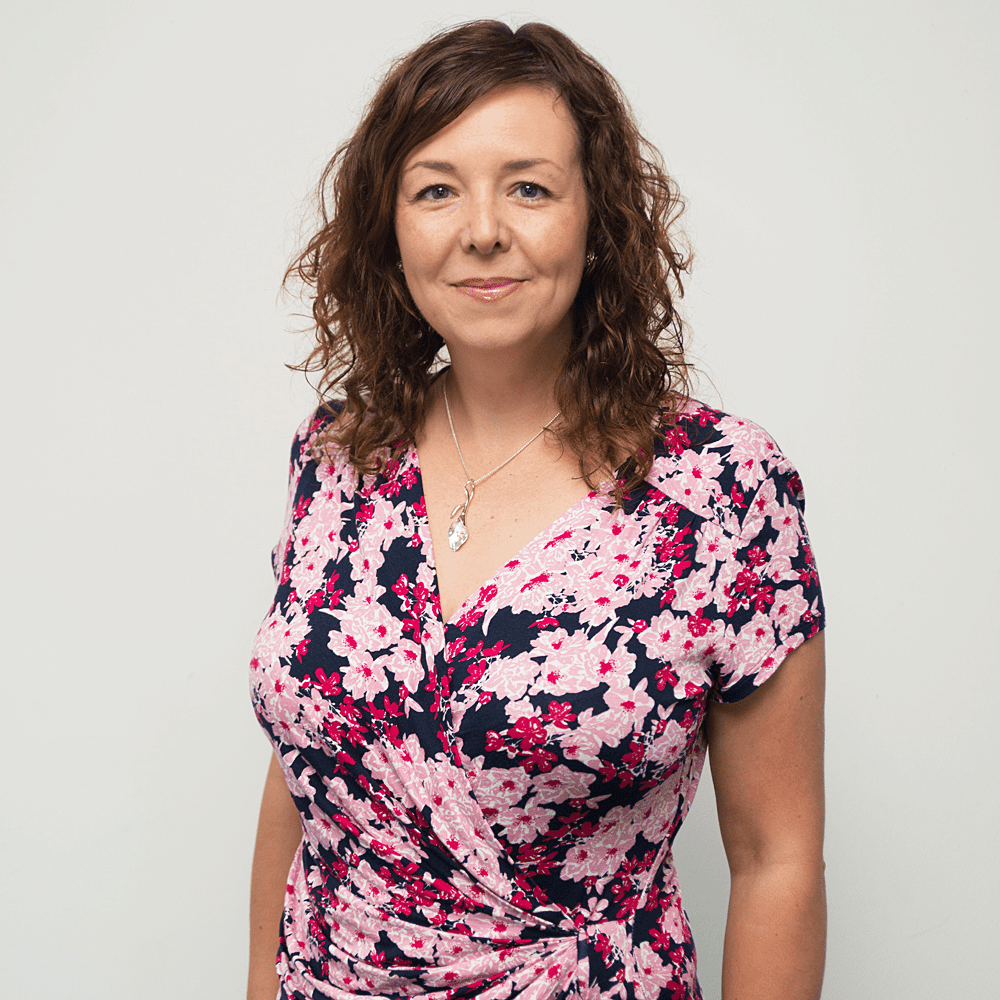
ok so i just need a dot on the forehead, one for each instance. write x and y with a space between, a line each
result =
520 121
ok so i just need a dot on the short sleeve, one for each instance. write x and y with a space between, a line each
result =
767 591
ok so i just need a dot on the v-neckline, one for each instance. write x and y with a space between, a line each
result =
414 459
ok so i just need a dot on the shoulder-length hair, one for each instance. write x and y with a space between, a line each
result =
625 374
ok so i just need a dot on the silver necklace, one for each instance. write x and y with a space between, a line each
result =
458 533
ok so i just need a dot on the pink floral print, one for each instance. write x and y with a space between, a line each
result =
488 803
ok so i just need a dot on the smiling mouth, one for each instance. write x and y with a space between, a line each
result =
489 289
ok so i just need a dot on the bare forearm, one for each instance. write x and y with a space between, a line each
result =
278 835
775 934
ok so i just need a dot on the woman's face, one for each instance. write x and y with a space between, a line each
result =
491 219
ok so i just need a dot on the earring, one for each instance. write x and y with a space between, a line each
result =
399 264
589 260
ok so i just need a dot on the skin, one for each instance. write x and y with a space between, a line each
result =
279 832
766 754
491 220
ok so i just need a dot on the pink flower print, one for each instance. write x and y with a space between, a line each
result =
597 610
743 591
500 788
345 643
672 924
760 507
687 671
603 853
307 573
363 677
713 546
754 643
613 669
509 678
665 637
404 663
567 662
533 594
469 617
278 636
699 626
370 886
749 447
795 485
651 969
534 857
494 741
370 622
625 610
629 706
669 744
785 520
417 945
388 517
695 480
523 825
301 508
557 539
694 591
561 784
788 608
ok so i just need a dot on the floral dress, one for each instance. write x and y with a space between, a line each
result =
488 803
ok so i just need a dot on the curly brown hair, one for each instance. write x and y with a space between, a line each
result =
625 375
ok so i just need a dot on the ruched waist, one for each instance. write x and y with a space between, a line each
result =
483 947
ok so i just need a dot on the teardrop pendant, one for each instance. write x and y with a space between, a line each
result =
458 534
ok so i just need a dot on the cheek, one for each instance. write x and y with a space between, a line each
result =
563 245
420 245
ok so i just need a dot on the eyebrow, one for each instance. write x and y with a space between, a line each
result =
512 166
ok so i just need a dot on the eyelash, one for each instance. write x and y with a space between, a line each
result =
423 194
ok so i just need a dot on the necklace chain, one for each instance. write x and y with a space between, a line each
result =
469 479
458 532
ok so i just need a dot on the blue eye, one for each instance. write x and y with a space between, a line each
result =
531 192
435 192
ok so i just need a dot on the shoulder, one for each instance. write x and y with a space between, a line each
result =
716 463
312 436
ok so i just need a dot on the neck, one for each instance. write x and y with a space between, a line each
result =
499 400
497 413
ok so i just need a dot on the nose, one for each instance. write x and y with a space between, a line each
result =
485 229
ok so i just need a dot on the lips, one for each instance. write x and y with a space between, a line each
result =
489 289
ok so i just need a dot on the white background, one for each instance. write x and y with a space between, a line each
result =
842 163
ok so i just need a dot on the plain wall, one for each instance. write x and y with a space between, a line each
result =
841 162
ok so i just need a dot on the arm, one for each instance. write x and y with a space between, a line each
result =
279 832
766 753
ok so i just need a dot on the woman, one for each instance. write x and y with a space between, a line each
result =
520 594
